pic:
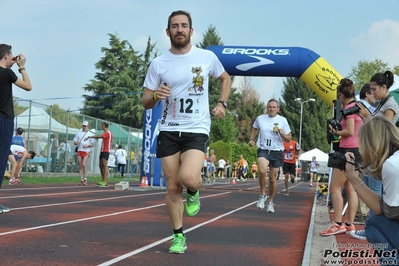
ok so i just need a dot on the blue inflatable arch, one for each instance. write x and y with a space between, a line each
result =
298 62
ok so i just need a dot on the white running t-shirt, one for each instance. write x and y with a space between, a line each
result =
268 138
17 150
187 108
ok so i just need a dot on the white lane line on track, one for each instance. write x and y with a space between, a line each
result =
137 251
51 194
95 217
83 201
38 188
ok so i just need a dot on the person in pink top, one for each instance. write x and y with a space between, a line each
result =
349 142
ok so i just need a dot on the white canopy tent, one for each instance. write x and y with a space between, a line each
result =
40 121
320 156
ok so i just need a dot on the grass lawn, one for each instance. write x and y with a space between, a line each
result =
70 179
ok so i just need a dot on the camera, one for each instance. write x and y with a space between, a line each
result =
337 160
353 110
335 124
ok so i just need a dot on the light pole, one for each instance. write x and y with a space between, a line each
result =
300 123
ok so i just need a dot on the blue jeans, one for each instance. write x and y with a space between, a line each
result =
375 185
384 232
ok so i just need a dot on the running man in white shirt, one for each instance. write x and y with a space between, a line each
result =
273 131
179 79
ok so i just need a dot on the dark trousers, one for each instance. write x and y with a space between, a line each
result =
53 161
121 169
6 132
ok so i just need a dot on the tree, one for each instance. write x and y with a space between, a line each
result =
314 116
223 129
248 108
64 117
117 88
364 70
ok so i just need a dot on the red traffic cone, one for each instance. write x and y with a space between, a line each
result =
233 182
145 181
142 182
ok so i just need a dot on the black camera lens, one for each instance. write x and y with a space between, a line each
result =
350 111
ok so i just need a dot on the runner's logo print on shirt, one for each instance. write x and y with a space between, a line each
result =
275 128
198 80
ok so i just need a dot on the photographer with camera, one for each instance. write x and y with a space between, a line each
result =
381 158
8 77
350 125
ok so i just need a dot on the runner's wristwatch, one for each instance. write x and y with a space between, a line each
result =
224 104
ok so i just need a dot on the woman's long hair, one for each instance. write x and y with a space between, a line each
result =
378 140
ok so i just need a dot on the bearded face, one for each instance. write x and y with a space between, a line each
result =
180 39
179 31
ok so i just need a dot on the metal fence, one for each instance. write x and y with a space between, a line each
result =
43 123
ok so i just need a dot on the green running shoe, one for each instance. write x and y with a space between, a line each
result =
192 204
102 184
178 244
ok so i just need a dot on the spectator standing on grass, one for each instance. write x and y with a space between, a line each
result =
18 139
180 77
228 169
7 78
106 136
221 167
54 151
211 165
65 151
241 173
121 156
83 150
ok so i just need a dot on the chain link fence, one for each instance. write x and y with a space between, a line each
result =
46 125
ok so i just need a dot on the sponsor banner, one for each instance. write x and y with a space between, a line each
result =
150 165
281 62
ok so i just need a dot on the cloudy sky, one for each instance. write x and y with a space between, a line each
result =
62 39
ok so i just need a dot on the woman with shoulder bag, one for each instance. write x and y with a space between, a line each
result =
350 124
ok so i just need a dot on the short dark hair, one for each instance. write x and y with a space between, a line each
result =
181 12
20 130
105 124
364 90
4 49
32 153
273 100
120 146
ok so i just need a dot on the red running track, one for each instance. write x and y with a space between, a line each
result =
73 225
